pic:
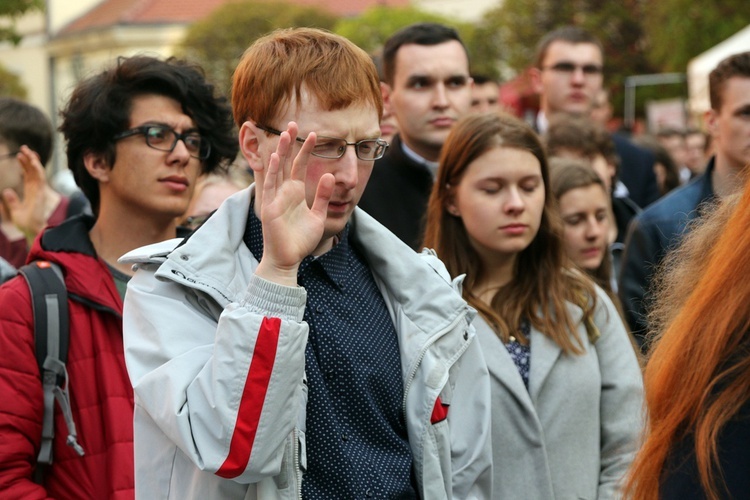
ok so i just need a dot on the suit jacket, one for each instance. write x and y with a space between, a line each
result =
657 230
574 432
636 171
397 194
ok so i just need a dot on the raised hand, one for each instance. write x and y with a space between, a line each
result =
28 214
292 230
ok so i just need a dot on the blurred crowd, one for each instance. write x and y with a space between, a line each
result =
363 277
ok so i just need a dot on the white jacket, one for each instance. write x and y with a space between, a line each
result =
216 356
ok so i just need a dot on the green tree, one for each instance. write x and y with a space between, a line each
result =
10 10
11 85
679 30
372 28
218 42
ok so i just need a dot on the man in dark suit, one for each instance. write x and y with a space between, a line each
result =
427 88
568 77
663 225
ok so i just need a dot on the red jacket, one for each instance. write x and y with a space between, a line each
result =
100 392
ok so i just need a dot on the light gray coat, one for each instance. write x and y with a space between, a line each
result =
195 318
574 432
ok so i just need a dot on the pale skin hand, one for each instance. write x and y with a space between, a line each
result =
291 229
28 215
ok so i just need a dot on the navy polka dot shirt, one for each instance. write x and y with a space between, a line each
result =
356 439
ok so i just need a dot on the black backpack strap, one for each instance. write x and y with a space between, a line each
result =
49 299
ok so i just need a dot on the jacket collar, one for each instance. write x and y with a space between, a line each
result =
86 275
216 260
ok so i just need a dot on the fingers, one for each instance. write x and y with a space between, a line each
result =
32 166
323 195
11 200
299 167
270 182
284 149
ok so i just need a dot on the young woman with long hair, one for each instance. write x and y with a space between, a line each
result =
697 379
583 203
566 386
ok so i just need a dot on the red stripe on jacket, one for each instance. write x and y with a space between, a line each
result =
253 396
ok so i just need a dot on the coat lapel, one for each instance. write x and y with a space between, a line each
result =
544 355
500 364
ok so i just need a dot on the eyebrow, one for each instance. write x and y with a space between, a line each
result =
163 124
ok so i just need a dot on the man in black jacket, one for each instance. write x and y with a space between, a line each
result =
427 88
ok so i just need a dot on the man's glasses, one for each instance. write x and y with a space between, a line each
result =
569 68
165 138
333 147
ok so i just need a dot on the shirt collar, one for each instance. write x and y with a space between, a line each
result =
432 166
542 122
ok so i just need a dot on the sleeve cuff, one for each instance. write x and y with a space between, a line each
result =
271 299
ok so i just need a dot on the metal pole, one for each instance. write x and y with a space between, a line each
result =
631 82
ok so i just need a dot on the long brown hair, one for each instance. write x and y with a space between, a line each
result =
541 283
698 374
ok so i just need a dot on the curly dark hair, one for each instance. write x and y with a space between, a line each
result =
100 108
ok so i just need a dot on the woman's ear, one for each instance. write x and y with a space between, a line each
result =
250 146
450 203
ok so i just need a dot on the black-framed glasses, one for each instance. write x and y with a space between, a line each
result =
9 155
165 138
569 68
335 147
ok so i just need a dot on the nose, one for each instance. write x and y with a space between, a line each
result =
594 229
578 77
346 172
514 203
440 97
179 153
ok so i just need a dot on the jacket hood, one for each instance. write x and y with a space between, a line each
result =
86 275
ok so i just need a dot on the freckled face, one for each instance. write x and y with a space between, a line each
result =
500 199
353 123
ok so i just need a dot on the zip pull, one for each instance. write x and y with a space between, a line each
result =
63 399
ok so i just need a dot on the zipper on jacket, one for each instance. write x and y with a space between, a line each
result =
297 469
432 340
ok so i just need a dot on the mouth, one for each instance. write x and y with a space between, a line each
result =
387 129
175 182
592 252
442 122
339 206
514 228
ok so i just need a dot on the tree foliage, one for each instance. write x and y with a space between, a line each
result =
520 24
10 10
11 85
372 28
679 30
218 42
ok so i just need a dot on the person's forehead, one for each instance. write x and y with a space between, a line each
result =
159 108
446 57
583 53
357 119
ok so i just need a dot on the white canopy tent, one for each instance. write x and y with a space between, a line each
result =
700 66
